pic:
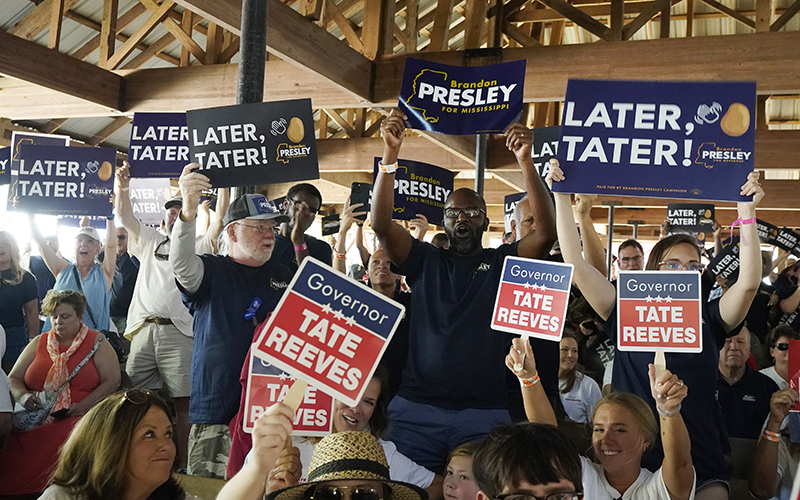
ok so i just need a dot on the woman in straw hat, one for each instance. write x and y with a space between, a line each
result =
349 465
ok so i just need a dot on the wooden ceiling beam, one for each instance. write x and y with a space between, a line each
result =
39 18
50 69
770 59
298 40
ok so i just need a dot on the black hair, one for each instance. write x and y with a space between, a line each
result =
307 188
535 453
379 421
630 243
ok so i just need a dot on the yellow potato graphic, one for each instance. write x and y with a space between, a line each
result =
106 171
296 130
708 214
167 194
736 120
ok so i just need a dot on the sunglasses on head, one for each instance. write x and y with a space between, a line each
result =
342 492
783 346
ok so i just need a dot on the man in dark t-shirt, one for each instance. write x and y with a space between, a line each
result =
292 244
742 392
124 282
453 389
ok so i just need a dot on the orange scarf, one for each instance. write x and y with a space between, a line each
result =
59 373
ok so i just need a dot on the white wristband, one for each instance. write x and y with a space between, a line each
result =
25 397
388 169
124 188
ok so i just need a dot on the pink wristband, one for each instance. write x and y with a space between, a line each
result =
302 247
742 222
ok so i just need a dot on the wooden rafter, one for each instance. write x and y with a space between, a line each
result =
108 31
475 14
345 26
149 25
440 33
38 19
732 13
186 26
56 16
231 49
646 15
519 36
180 35
108 130
580 18
784 18
335 116
53 125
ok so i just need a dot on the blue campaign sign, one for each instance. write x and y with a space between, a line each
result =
691 141
5 166
148 197
659 311
545 147
457 100
159 144
61 180
419 188
329 331
75 221
532 298
509 204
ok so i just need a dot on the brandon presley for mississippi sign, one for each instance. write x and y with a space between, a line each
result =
458 101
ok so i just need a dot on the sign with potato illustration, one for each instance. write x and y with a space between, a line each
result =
61 180
693 141
260 143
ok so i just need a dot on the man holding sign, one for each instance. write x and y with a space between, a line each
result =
227 296
720 319
454 387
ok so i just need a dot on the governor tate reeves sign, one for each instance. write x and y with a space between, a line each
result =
329 331
659 311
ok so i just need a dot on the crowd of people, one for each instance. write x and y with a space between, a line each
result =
455 409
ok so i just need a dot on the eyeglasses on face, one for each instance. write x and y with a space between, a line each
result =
675 265
783 346
310 208
341 492
564 495
261 228
629 260
161 256
122 237
455 213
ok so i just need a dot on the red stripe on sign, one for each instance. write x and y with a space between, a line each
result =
322 344
532 310
646 324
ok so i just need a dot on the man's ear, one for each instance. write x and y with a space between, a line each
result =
482 496
514 229
231 232
486 223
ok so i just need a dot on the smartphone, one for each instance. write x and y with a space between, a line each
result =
361 192
62 413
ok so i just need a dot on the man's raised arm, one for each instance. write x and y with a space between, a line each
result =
394 239
537 244
123 204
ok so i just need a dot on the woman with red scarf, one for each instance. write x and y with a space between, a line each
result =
64 371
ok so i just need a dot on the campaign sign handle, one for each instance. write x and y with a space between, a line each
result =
532 298
313 409
329 331
659 311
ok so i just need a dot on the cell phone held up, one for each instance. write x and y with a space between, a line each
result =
62 413
361 192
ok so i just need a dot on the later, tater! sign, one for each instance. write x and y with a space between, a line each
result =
659 311
329 331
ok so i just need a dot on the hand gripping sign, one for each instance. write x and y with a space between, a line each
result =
267 385
329 331
659 311
532 298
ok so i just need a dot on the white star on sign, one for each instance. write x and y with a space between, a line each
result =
658 298
350 320
527 285
338 314
283 376
327 309
648 298
668 299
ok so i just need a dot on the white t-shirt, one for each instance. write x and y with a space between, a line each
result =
156 293
773 374
401 468
647 486
580 401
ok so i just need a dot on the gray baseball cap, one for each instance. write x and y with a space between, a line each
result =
253 206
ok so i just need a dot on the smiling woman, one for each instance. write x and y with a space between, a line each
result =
121 449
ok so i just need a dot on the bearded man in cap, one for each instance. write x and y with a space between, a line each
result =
227 296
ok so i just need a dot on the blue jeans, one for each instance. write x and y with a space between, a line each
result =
16 340
427 434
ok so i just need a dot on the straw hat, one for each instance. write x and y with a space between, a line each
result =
349 455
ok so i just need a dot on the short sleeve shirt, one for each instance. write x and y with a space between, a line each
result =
14 297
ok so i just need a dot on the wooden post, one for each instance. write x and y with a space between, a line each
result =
108 31
56 15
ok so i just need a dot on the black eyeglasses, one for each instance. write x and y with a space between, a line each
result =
783 346
161 256
674 265
341 492
564 495
310 208
628 260
455 213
